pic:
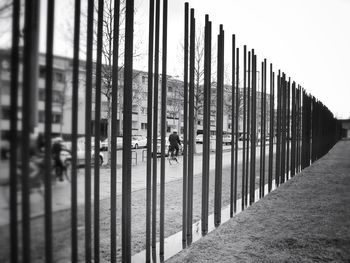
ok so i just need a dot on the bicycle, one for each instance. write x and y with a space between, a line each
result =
172 158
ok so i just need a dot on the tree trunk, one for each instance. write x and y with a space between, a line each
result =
109 132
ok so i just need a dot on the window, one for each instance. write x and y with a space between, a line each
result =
41 117
5 87
42 72
143 126
229 126
59 77
199 122
5 112
56 118
144 79
56 96
41 95
170 89
143 110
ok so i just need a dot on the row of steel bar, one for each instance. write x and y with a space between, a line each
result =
305 128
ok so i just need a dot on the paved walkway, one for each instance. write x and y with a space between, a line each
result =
307 219
61 191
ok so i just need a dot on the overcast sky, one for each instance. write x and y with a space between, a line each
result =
307 39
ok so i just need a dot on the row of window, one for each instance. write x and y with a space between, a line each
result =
57 96
57 76
56 117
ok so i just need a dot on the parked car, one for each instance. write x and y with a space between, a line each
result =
104 145
105 142
138 141
67 157
226 139
199 138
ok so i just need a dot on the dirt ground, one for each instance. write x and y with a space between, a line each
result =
307 219
173 220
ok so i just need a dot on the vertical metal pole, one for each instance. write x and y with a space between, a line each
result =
185 155
155 130
300 121
248 130
219 123
127 117
163 131
206 128
191 129
30 66
303 136
288 127
283 128
48 121
74 212
278 130
253 132
309 120
293 148
244 123
264 130
98 133
271 129
88 103
74 209
149 131
261 182
114 131
13 129
298 128
232 124
236 131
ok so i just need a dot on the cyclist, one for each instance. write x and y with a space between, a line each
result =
175 142
57 148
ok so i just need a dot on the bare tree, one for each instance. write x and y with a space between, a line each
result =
107 57
175 101
6 9
199 75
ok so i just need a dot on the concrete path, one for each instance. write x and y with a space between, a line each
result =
61 191
307 219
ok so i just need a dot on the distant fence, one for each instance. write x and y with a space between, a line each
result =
299 126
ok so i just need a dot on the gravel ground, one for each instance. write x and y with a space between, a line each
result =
304 220
173 220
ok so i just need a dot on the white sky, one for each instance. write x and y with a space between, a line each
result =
307 39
